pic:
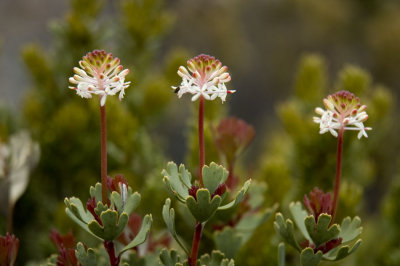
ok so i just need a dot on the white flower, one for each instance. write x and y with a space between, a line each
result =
343 111
17 159
207 79
100 74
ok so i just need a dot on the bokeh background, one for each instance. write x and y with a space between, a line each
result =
284 56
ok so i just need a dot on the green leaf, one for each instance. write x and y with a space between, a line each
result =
308 258
341 252
249 223
178 183
100 208
169 258
96 192
76 207
168 214
78 214
238 198
228 241
142 235
350 229
132 258
281 254
79 222
321 232
286 230
257 194
299 216
112 225
203 208
132 202
213 176
50 261
85 258
116 200
217 259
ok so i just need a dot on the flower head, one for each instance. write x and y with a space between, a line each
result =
205 76
9 246
343 111
232 136
66 248
99 73
318 203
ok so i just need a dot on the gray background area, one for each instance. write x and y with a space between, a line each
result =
22 22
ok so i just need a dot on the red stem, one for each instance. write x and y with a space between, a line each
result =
109 246
201 138
103 133
199 227
196 243
338 173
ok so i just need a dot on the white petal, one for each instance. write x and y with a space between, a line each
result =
196 96
206 96
329 105
79 71
103 99
317 119
360 134
320 111
123 73
72 80
121 94
333 132
323 130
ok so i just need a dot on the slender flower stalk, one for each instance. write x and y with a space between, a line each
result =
202 155
205 79
343 112
338 174
103 141
199 226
